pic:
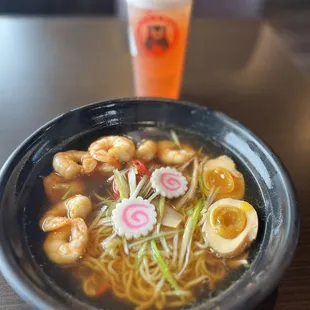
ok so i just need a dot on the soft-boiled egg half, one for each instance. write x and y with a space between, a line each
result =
231 226
221 174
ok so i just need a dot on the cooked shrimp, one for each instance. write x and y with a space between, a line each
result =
71 164
67 244
60 214
169 153
146 150
111 148
107 169
56 186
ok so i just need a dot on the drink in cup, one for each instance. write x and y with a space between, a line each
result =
157 35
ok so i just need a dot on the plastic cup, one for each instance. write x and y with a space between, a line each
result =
157 32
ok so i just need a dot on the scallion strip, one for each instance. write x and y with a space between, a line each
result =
121 184
103 200
189 211
161 208
192 188
201 186
164 234
139 187
66 194
153 196
132 180
163 267
100 198
175 138
112 207
140 254
189 230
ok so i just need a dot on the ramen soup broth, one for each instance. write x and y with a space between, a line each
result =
73 277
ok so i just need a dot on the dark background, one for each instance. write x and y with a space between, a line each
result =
58 6
221 8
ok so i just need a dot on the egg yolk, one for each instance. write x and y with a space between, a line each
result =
220 178
228 221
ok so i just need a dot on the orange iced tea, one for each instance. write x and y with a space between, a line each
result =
158 35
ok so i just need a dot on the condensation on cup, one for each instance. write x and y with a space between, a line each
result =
157 32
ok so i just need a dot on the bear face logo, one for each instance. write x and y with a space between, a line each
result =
156 35
156 38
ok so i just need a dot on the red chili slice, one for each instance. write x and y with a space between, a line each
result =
102 288
141 168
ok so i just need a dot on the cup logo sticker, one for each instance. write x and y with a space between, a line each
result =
156 34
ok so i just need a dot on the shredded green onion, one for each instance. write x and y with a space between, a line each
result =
190 211
135 170
139 186
164 234
175 138
125 244
100 198
112 207
163 267
66 194
161 208
100 204
140 254
200 150
153 196
121 184
190 194
132 180
147 190
163 241
103 200
189 230
245 263
201 186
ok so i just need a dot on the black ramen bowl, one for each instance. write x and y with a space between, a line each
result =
269 189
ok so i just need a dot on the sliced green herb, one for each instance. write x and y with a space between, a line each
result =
161 208
103 200
66 194
163 267
190 211
139 186
132 180
100 198
189 230
121 184
111 207
140 254
164 234
175 138
201 186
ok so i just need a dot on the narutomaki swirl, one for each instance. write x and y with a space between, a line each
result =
169 182
134 217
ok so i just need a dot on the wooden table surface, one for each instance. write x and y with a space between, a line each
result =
49 66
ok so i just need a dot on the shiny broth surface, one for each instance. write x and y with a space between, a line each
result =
113 281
